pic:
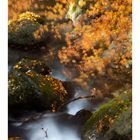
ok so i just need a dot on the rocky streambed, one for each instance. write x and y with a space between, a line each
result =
30 125
75 121
41 88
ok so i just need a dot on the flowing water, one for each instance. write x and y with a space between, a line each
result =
48 126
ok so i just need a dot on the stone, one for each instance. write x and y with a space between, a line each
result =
27 30
30 89
108 121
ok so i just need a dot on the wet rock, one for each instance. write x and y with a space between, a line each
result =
108 121
82 116
32 90
70 86
25 31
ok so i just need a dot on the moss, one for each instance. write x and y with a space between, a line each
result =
31 90
122 128
22 31
107 114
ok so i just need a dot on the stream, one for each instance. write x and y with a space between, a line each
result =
47 125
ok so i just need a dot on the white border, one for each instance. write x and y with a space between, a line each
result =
3 69
136 70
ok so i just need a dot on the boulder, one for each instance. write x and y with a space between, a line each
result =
81 117
29 89
109 121
27 30
122 128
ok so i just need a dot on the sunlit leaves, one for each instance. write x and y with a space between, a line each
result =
103 43
99 45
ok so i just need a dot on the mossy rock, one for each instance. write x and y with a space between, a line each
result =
27 65
31 90
122 128
25 31
107 118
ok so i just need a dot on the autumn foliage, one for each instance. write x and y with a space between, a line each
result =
98 48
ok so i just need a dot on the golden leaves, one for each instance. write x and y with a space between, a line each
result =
29 15
41 32
82 3
103 43
30 73
17 67
100 126
87 47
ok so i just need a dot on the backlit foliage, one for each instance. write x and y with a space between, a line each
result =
97 47
52 9
93 41
101 47
30 16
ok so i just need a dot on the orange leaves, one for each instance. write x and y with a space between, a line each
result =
88 47
17 67
93 64
16 7
82 3
52 10
104 42
111 121
30 73
102 124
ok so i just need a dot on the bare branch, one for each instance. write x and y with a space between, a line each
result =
75 99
